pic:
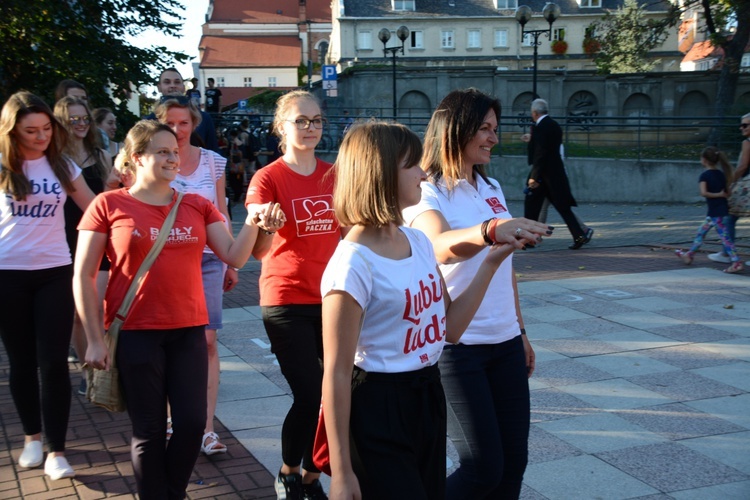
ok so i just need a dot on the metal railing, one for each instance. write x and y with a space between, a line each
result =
636 136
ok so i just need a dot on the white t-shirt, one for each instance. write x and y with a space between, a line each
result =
32 232
203 180
496 320
404 324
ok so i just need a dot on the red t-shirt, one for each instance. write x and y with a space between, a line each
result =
300 251
171 295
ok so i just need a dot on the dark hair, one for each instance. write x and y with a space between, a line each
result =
12 179
453 125
62 88
713 156
100 114
211 80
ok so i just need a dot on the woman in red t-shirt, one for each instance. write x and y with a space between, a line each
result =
161 351
293 263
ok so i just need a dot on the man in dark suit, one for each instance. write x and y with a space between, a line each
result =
547 178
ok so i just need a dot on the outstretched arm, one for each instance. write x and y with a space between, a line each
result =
457 245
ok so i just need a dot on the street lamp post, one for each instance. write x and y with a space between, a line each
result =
550 12
384 35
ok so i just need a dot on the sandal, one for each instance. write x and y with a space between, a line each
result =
214 446
735 267
685 256
170 431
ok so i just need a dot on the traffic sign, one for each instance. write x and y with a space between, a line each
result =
329 73
242 104
330 84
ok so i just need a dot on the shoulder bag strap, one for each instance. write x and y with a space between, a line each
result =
150 258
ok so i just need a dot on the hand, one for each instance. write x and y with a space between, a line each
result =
526 137
498 253
344 487
532 184
530 356
231 278
521 232
268 217
97 355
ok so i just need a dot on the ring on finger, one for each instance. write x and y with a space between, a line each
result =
518 231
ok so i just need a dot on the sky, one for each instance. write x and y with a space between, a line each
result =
194 14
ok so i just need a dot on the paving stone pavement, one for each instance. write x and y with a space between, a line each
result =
642 388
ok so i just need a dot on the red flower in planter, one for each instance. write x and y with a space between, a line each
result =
559 47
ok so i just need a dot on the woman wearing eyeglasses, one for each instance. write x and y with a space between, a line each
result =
83 148
293 263
36 270
203 172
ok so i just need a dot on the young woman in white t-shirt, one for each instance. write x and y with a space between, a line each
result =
36 298
203 172
386 317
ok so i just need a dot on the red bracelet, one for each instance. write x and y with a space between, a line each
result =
491 230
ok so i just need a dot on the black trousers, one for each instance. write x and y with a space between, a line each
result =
398 426
488 418
36 318
296 335
533 205
156 365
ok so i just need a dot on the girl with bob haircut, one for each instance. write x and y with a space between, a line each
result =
203 172
36 300
386 317
161 350
293 261
463 212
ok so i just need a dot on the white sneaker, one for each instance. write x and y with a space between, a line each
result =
719 257
32 455
58 468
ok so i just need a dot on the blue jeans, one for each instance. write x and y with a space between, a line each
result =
488 418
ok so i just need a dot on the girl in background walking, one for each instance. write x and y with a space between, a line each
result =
714 186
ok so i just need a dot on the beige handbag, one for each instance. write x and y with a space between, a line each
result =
103 386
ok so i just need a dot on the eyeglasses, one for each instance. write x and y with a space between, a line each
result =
304 123
78 120
182 100
744 125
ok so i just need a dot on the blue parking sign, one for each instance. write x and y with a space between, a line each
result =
329 72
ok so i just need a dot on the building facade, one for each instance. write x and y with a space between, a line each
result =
464 33
248 47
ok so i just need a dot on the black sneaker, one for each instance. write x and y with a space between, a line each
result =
82 387
314 491
72 356
288 486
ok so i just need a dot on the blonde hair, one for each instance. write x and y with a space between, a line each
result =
714 157
282 112
12 179
453 125
161 109
92 141
137 141
366 187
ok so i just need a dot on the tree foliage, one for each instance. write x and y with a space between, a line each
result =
45 41
626 37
